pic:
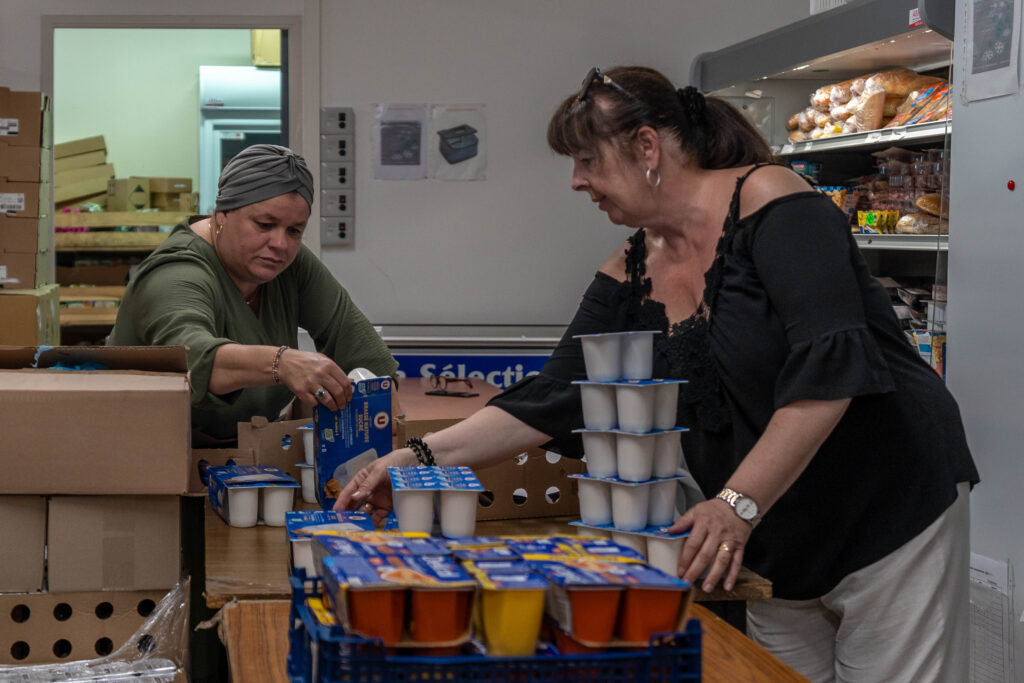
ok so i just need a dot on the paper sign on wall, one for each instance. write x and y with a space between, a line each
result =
400 141
458 149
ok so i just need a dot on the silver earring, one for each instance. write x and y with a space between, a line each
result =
656 181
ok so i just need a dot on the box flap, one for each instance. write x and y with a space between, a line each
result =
145 358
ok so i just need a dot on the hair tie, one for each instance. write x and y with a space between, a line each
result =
694 104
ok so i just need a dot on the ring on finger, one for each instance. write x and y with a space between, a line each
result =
725 548
320 394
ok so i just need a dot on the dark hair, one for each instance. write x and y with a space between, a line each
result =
710 130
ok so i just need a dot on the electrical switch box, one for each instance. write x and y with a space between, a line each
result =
337 203
336 120
336 230
337 175
337 148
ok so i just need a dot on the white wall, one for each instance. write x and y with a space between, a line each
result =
139 88
984 367
519 247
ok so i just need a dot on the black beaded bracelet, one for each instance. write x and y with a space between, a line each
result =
422 451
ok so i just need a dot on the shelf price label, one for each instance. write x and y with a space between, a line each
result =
873 137
899 133
787 149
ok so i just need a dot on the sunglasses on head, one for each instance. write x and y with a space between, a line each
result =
596 76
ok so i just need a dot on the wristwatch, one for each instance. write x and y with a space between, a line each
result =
745 507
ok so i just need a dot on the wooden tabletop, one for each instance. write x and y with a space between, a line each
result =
255 634
252 563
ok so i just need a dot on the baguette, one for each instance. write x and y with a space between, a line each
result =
900 81
932 204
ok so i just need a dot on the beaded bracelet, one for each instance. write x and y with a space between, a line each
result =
422 451
277 363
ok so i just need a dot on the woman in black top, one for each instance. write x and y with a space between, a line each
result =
808 409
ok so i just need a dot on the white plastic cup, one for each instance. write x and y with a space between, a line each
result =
629 507
359 374
602 355
308 475
308 445
276 501
595 502
637 355
637 543
661 507
414 510
666 403
599 410
599 448
663 553
635 456
666 454
243 506
635 407
458 513
302 556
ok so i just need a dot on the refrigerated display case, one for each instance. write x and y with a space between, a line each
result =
773 77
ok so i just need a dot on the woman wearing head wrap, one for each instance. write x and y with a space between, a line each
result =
832 458
236 286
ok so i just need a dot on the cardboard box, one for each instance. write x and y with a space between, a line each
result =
93 275
165 185
24 164
351 438
29 270
533 484
35 628
25 200
24 235
69 163
121 430
81 182
22 543
26 119
266 47
174 201
113 542
80 146
127 194
31 317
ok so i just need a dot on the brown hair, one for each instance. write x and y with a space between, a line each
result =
709 130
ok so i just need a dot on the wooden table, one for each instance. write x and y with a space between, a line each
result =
256 636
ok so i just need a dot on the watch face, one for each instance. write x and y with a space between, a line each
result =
746 508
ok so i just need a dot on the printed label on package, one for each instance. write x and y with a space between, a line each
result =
500 370
8 126
12 201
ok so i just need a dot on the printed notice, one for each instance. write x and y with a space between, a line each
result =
12 202
992 43
8 126
991 630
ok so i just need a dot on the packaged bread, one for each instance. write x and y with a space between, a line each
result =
932 204
793 121
899 81
805 119
934 109
839 94
840 112
797 136
822 119
921 224
912 106
892 105
868 112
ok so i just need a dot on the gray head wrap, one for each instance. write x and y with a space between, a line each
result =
260 172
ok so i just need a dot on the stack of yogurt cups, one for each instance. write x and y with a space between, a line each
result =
631 443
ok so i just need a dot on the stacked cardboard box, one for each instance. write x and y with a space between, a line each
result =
106 509
25 192
81 172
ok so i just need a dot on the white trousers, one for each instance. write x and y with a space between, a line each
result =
903 618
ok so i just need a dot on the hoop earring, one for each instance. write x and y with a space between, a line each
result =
656 181
216 235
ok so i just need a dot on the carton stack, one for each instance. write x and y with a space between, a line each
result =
94 463
81 172
28 304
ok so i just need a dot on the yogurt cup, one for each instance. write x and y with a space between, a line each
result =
602 356
458 513
414 510
600 450
666 454
595 501
511 620
635 406
635 456
599 407
629 506
663 553
307 474
638 354
308 443
593 612
666 403
243 506
377 613
661 507
439 616
646 611
275 501
633 541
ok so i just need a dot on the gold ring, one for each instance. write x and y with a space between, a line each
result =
725 548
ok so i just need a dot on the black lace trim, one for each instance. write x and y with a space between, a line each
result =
686 347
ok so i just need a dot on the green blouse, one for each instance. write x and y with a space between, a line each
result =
182 296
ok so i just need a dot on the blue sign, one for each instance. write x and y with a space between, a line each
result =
500 370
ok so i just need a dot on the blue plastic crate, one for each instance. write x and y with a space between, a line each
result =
343 658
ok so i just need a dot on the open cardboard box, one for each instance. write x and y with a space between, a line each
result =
533 484
119 430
